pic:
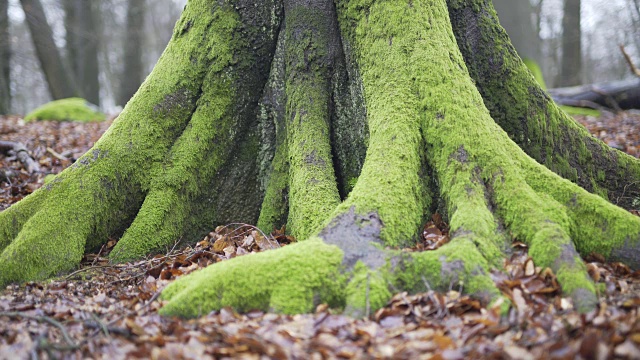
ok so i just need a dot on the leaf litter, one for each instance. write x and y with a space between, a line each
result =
109 311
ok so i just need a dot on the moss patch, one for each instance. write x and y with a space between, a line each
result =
290 280
71 109
573 110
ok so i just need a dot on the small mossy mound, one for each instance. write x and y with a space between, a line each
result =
71 109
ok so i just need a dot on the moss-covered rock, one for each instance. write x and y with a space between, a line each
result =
71 109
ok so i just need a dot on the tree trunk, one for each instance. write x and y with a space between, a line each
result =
133 72
58 78
263 111
5 59
571 65
81 19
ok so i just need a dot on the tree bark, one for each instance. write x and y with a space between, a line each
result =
250 89
60 83
133 72
5 59
81 19
571 64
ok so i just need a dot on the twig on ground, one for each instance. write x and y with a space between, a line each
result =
56 155
51 321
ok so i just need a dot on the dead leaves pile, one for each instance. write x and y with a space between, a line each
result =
110 311
53 144
621 130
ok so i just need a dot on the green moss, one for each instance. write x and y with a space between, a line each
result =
522 109
312 184
572 110
533 66
366 292
102 192
274 210
219 137
48 178
71 109
290 280
390 183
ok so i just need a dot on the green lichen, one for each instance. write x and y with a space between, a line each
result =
71 109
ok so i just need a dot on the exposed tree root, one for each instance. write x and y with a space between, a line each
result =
101 194
530 116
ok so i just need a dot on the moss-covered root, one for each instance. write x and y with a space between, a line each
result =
310 38
100 194
225 110
595 225
297 278
480 171
519 105
290 280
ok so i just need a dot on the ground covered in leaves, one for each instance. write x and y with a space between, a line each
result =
110 311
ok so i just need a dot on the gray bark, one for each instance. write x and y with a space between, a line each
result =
60 83
571 67
5 58
133 72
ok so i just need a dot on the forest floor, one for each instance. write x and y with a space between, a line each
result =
109 311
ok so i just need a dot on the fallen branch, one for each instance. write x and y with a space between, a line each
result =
20 151
617 95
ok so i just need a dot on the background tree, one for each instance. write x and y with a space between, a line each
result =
82 44
61 84
571 67
337 119
521 20
133 71
5 59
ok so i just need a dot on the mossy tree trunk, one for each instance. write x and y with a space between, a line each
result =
351 122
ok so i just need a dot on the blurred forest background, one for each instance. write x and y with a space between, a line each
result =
103 49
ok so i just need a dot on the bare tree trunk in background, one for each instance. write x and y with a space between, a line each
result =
635 18
517 19
60 83
571 67
5 58
82 46
133 68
